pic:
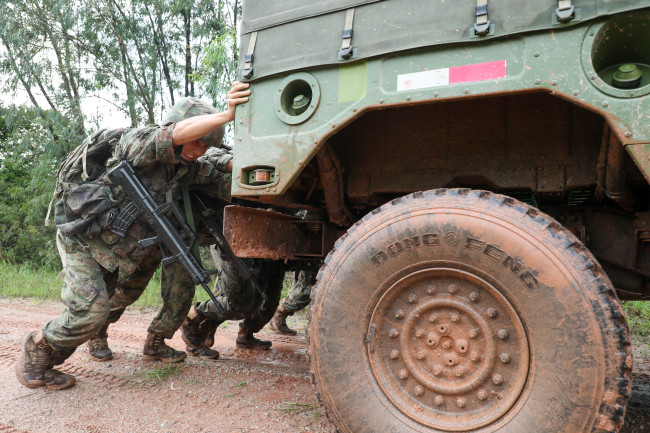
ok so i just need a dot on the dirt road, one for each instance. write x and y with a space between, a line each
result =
245 391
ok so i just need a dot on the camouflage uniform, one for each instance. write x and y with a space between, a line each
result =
300 295
98 263
239 298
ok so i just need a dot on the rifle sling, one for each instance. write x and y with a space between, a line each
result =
187 203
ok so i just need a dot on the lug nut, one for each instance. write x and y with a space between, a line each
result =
497 379
505 358
455 317
443 329
461 403
453 289
399 314
503 334
492 312
460 372
432 339
482 395
403 374
474 297
394 333
419 390
413 298
473 333
438 401
419 333
394 354
433 318
451 360
437 370
421 355
462 346
475 356
431 289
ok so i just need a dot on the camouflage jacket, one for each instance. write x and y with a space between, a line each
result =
87 212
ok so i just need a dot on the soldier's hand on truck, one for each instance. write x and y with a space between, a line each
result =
237 95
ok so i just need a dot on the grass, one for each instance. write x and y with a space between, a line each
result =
638 318
20 281
308 408
160 374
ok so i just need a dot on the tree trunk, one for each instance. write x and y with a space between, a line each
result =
189 89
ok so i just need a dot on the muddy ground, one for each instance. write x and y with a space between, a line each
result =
245 391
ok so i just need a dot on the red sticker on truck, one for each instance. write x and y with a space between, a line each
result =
454 75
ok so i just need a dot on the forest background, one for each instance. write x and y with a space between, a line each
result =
65 65
70 67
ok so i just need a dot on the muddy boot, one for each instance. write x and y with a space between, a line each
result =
34 365
194 335
98 345
246 340
209 340
156 349
279 322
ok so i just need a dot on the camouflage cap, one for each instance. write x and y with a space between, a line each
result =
190 107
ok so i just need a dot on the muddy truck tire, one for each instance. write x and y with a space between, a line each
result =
461 310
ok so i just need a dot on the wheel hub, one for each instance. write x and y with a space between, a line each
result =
450 350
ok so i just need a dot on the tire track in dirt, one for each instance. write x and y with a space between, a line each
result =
8 354
8 429
108 380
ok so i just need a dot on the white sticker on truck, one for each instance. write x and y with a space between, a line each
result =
454 75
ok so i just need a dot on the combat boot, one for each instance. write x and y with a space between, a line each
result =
194 332
156 349
209 340
98 345
246 340
34 365
279 322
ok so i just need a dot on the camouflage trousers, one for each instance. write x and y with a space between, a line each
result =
176 292
300 295
239 298
92 295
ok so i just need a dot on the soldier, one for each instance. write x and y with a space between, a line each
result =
240 301
297 299
95 260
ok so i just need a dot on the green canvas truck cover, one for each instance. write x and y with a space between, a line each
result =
298 34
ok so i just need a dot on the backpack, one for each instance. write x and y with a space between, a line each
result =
85 163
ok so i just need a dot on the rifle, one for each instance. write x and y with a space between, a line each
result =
243 269
142 203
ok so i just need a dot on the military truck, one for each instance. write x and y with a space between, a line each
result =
475 175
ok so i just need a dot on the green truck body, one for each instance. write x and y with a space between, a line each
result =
359 104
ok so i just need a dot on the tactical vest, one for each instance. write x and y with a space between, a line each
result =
76 178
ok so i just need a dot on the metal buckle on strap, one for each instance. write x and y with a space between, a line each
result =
565 11
482 25
347 51
249 71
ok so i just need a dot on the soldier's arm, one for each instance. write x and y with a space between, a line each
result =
193 128
211 174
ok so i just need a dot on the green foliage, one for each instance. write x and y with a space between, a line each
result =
308 408
638 318
22 281
130 54
160 374
25 281
31 145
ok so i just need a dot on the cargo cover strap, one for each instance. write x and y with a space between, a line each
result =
249 71
565 10
346 46
482 26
